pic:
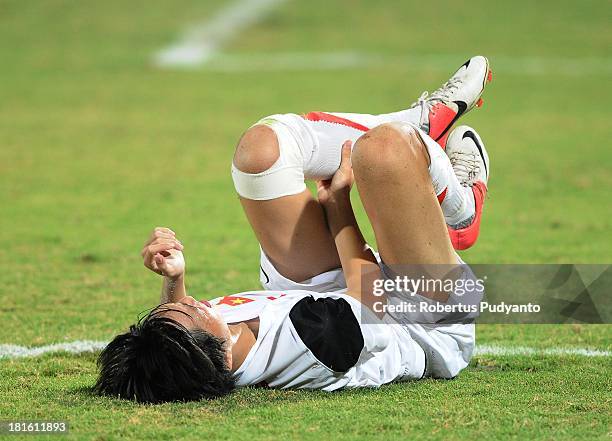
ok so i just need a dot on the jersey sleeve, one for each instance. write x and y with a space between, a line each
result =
329 328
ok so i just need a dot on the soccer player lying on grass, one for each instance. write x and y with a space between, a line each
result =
325 331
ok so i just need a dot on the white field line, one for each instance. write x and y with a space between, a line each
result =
8 351
202 41
523 350
74 347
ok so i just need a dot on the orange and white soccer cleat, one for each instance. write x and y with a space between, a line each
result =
460 94
470 162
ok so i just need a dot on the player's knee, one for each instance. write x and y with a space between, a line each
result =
257 150
388 147
268 164
375 147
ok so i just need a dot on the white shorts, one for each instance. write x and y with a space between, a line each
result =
328 282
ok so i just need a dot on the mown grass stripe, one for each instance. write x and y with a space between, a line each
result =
322 61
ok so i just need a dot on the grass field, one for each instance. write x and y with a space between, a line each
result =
98 146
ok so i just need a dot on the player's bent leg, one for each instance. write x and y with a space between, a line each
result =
290 225
391 166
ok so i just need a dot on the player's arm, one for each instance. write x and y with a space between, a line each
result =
334 196
162 254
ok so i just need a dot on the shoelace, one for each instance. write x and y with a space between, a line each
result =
466 167
443 94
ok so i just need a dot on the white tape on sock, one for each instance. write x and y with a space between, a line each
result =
284 178
271 184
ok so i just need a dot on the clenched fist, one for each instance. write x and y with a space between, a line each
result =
162 253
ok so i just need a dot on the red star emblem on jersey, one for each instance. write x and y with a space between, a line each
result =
234 301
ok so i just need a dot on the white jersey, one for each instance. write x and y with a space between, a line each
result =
312 335
319 341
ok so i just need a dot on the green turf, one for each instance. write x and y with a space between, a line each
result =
97 147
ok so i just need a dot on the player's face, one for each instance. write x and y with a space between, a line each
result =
198 315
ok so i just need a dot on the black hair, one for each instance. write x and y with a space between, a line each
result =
160 360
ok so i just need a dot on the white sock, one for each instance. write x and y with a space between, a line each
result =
458 204
412 116
459 208
330 135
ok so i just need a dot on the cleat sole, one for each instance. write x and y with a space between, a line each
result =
489 76
480 102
